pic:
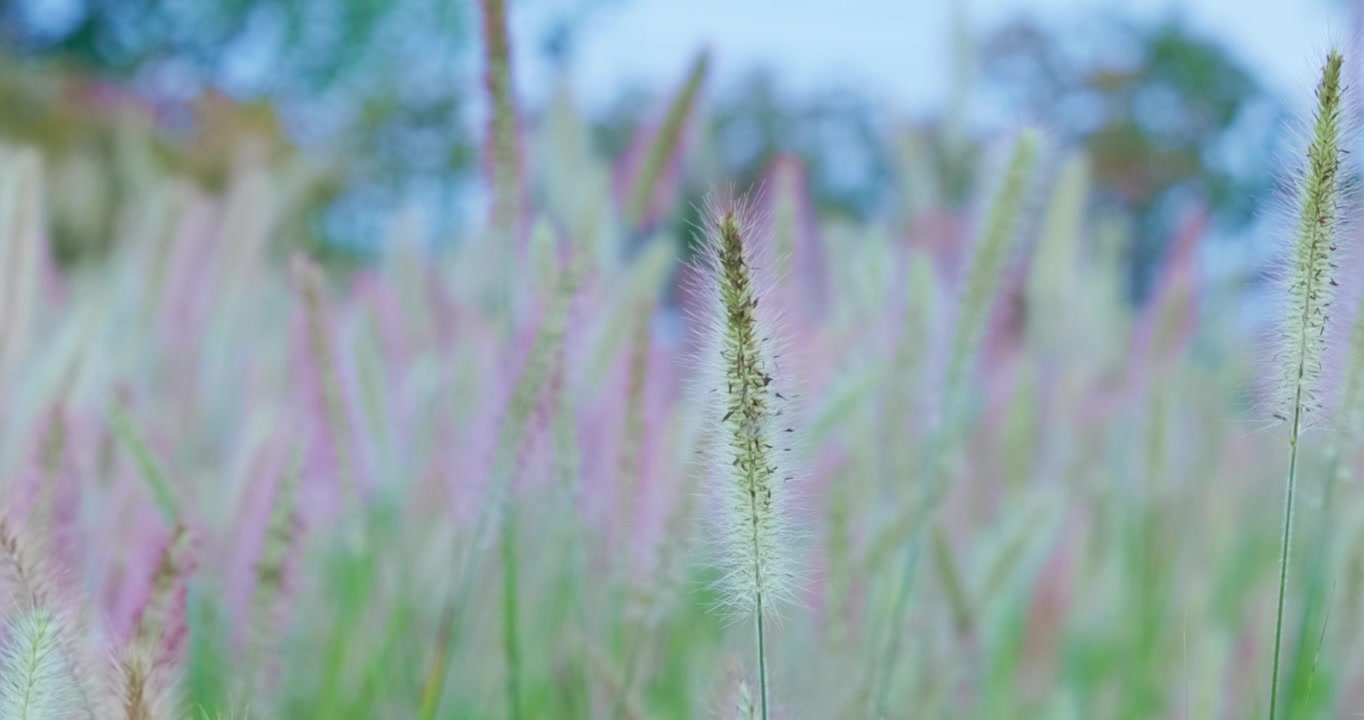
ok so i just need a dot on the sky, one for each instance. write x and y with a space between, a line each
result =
897 51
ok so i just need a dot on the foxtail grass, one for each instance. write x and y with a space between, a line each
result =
748 412
36 680
1310 290
43 673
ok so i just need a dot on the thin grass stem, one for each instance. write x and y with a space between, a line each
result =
1284 549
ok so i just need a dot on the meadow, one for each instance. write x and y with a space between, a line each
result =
572 465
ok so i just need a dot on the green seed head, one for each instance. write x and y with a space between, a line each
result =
746 393
1310 282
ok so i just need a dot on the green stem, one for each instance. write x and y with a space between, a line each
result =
631 658
762 658
901 606
1283 557
1318 570
510 630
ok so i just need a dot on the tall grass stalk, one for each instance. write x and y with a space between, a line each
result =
1309 300
1348 428
511 641
21 211
526 395
504 157
982 283
503 133
664 145
745 405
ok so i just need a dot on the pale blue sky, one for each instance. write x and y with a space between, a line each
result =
896 50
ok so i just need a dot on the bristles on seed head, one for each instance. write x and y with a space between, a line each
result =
142 688
37 678
1318 195
41 649
745 391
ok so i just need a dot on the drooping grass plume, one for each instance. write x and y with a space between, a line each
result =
744 385
1310 283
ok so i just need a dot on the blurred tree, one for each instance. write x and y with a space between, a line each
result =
1164 114
834 133
377 84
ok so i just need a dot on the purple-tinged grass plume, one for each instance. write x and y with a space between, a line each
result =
663 150
504 141
331 447
161 624
143 690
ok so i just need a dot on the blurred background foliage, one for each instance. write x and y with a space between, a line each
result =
378 94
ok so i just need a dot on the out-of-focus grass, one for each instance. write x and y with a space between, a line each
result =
347 452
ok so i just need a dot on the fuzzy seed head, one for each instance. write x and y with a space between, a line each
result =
36 677
143 691
1309 280
746 395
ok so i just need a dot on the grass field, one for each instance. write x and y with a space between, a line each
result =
572 465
